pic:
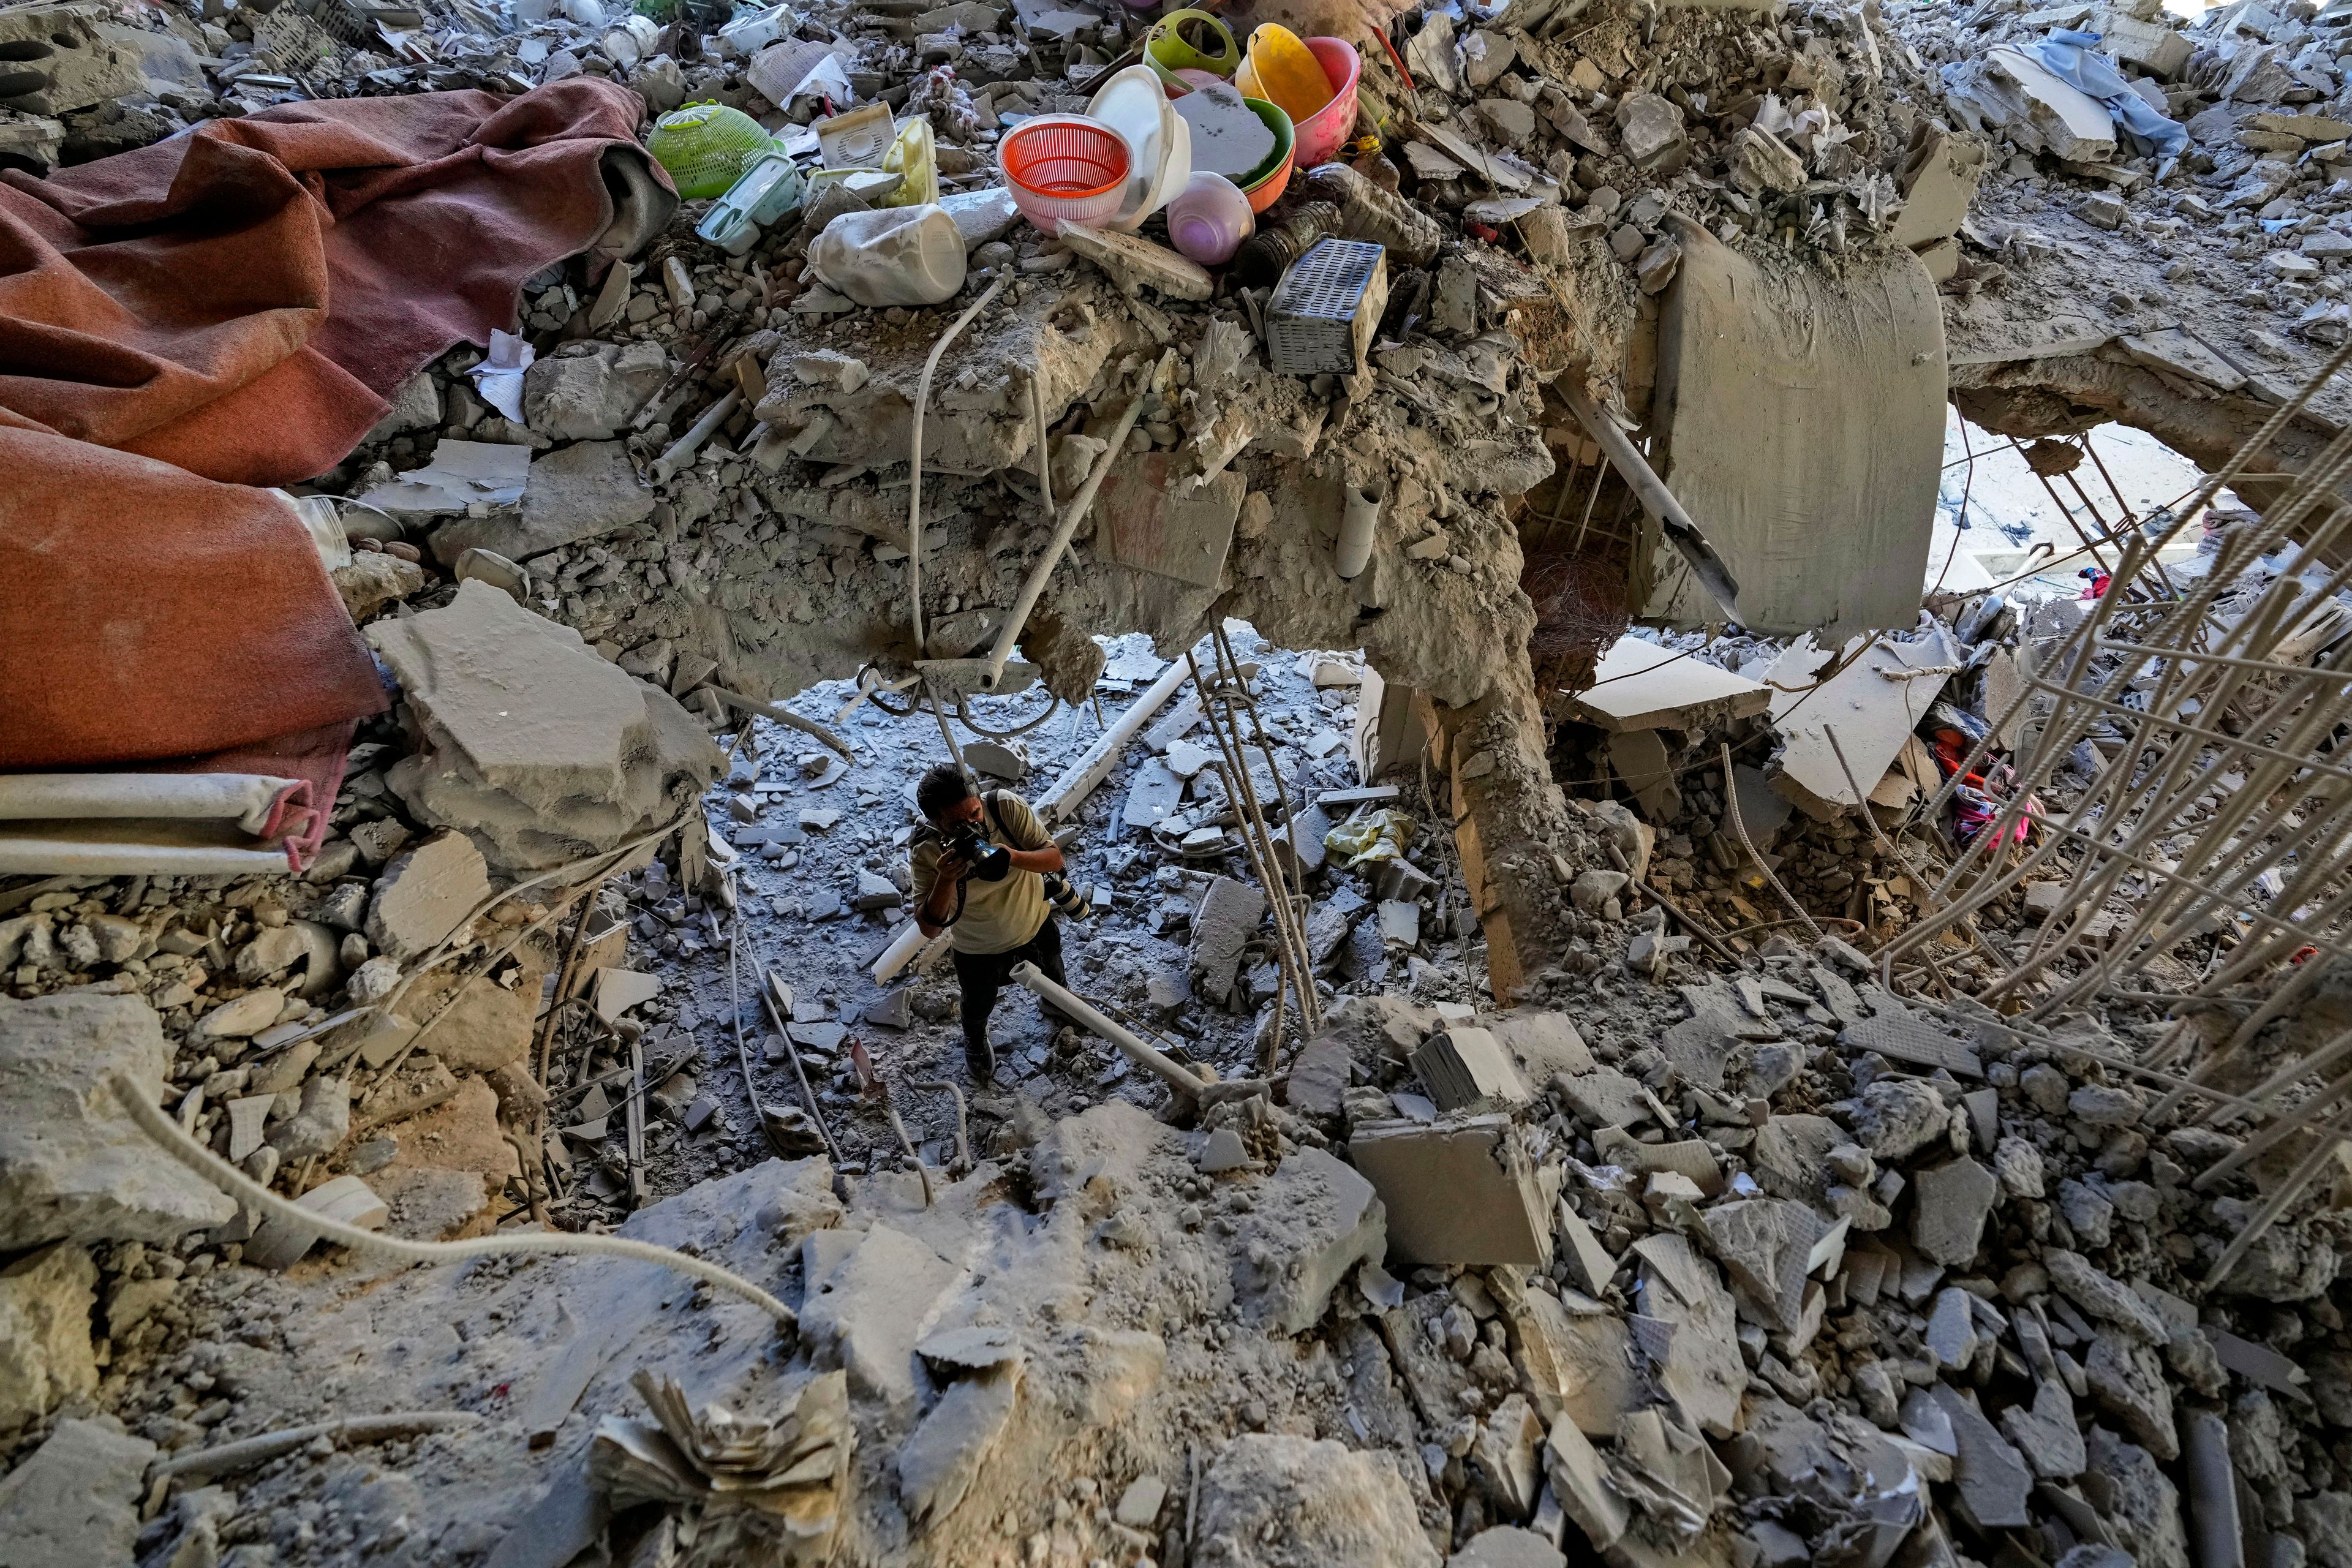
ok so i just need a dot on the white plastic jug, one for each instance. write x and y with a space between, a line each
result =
891 256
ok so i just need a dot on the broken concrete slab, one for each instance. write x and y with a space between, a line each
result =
535 747
1322 1501
74 1503
577 492
943 1456
1311 1221
1767 1243
1700 1366
2045 1433
2105 1297
1873 703
1544 1044
1458 1190
1821 499
1229 916
1463 1066
1992 1479
73 1164
1950 1203
1506 1546
869 1300
1580 1484
587 391
1638 685
426 892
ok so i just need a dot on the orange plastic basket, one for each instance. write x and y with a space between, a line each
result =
1064 168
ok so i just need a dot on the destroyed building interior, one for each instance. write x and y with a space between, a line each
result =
1686 658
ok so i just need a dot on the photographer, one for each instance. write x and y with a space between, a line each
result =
980 872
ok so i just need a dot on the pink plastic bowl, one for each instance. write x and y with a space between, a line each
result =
1320 134
1064 168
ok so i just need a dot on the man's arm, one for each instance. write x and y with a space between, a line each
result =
936 878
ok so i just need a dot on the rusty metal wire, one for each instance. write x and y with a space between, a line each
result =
2219 809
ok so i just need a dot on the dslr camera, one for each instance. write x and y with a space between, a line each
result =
989 862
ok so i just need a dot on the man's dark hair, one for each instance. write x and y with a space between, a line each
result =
941 788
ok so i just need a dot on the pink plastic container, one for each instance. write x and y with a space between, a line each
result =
1320 134
1210 218
1064 168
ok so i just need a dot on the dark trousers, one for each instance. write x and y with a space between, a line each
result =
983 975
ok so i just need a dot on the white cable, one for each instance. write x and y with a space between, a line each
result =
245 1189
915 457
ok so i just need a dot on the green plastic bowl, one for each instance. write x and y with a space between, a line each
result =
1264 186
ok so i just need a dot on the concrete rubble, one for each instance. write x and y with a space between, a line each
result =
1704 1145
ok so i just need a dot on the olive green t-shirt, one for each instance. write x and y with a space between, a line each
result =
997 916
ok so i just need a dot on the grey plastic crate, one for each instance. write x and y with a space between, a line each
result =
1326 309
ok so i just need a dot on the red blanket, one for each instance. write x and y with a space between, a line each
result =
236 305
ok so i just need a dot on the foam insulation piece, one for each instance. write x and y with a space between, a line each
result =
1804 416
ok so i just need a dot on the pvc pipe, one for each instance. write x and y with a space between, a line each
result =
2214 1526
1079 779
909 946
1358 523
1130 1045
242 798
682 450
1656 499
1017 620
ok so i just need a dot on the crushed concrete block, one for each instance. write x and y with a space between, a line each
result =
576 493
1137 263
64 57
321 1125
1990 1478
2128 1381
74 1503
1580 1483
1139 1505
1950 1203
1651 130
1507 1458
45 1301
282 1243
73 1165
590 391
2104 1296
1228 918
1939 181
1699 1366
942 1456
1458 1190
1544 1044
533 746
2143 1508
997 760
1462 1066
1314 1219
1767 1243
1277 1501
426 892
868 1299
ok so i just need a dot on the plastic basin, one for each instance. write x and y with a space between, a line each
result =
1320 134
1064 168
1264 186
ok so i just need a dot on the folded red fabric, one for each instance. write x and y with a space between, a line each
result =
233 308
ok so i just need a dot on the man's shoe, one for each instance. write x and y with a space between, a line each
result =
981 1058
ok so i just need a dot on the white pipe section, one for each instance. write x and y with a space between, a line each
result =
1129 1044
1079 779
242 798
1017 620
682 450
1360 523
909 946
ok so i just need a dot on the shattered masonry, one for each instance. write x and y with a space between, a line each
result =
1851 1074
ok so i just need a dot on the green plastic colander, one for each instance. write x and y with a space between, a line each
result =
706 147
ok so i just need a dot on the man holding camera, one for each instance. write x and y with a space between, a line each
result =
980 872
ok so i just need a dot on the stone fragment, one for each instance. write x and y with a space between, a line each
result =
2128 1379
536 748
242 1017
590 391
1895 1118
1282 1501
322 1124
46 1300
1767 1243
1312 1220
868 1299
943 1456
1507 1458
1139 1505
576 493
2100 1105
347 1200
73 1164
74 1503
2143 1508
1506 1546
1580 1484
1229 917
2045 1433
1992 1479
2104 1296
1951 1202
425 893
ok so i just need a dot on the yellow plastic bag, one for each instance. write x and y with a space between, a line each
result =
1379 836
915 155
1281 70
